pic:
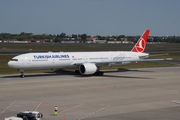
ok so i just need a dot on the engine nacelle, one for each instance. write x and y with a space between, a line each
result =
87 68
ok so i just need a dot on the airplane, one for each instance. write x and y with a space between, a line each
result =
86 63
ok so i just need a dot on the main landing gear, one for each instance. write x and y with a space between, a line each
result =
77 71
22 73
99 73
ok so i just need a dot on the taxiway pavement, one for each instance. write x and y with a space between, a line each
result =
136 94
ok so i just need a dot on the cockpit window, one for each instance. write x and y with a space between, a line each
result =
14 59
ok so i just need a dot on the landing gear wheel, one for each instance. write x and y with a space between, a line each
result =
22 75
77 71
98 73
101 73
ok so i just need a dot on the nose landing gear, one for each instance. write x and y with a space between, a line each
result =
22 73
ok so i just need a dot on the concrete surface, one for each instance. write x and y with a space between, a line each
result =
138 94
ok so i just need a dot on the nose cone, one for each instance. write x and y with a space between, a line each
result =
9 63
12 64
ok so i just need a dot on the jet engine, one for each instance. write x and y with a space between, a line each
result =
87 68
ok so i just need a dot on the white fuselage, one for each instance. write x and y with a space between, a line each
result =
58 60
88 63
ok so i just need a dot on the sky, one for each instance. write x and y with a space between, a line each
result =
92 17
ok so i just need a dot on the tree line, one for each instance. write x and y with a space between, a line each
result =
56 38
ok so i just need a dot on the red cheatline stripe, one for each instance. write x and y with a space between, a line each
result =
71 108
7 107
37 106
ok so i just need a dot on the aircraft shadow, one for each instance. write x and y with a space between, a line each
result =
53 73
72 73
125 70
115 76
30 75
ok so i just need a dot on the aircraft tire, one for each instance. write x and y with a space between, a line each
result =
99 73
22 76
102 73
76 71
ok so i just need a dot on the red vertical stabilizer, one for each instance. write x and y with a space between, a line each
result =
141 44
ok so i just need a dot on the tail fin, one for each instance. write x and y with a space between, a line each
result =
141 44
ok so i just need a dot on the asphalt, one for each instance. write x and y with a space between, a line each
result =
125 94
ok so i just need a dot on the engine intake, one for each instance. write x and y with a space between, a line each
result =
87 68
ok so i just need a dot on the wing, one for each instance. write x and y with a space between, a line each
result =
120 62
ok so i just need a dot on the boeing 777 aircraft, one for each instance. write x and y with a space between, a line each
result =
87 63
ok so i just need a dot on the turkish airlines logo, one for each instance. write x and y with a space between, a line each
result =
140 45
